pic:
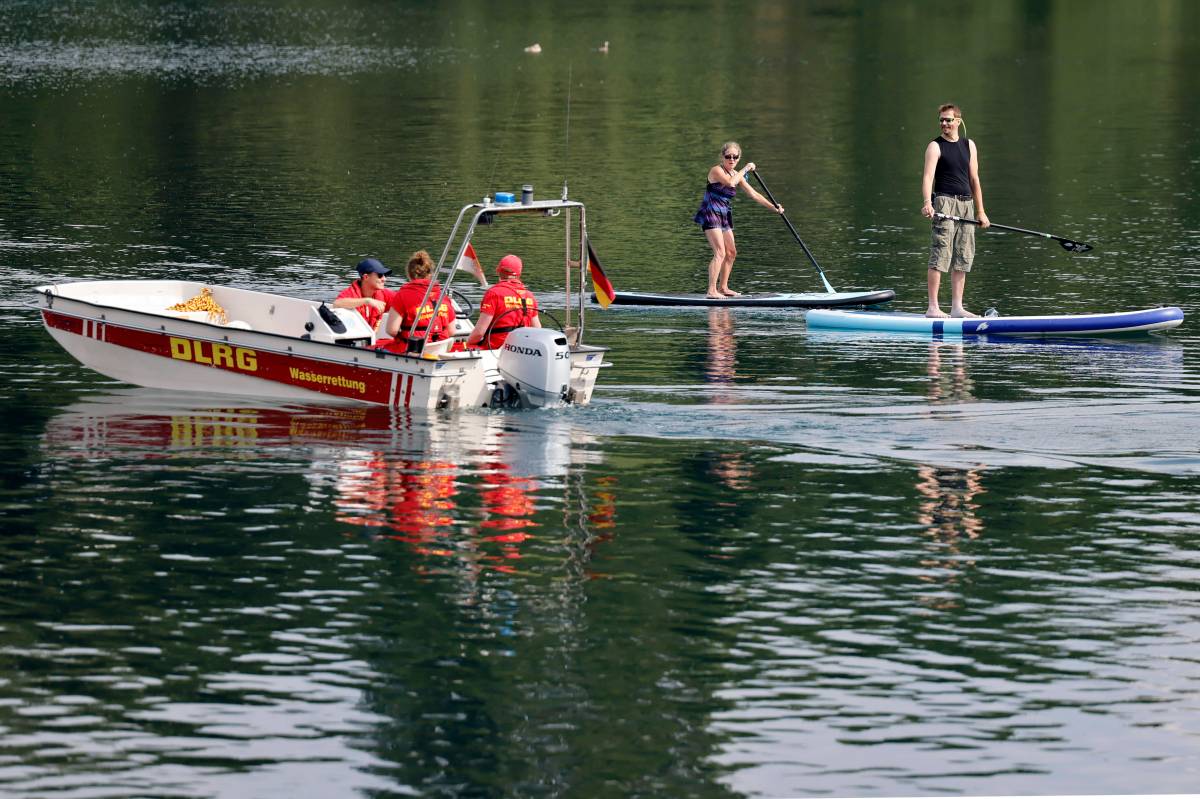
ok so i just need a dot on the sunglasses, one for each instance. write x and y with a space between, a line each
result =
946 120
732 156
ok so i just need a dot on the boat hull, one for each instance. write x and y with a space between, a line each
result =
156 349
802 300
1124 323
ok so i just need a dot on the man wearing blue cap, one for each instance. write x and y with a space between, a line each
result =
367 293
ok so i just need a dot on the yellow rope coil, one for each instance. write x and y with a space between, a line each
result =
204 302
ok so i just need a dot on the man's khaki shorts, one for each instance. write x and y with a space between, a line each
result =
953 245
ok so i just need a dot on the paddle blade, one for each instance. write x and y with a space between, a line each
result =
1074 246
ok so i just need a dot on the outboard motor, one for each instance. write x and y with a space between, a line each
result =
535 363
338 326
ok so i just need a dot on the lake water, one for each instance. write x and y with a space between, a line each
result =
764 562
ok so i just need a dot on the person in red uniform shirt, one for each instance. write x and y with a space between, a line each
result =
505 307
434 317
367 294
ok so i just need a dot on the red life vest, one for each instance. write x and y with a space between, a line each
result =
511 306
354 292
435 318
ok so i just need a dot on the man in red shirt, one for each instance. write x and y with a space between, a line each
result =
505 307
367 294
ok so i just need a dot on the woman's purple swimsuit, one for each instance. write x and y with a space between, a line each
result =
715 209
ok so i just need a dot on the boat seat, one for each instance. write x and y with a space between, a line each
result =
437 348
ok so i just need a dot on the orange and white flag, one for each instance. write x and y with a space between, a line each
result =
469 263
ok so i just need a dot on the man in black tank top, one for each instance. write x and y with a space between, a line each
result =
950 185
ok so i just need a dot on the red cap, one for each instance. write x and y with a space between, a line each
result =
510 264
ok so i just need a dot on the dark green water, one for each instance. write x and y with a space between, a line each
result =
764 562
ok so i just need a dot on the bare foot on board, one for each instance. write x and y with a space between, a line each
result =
936 313
963 313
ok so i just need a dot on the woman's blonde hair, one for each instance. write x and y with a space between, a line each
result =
725 147
420 265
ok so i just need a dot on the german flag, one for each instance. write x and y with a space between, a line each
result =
605 293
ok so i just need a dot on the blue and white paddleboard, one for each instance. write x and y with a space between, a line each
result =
805 300
1142 321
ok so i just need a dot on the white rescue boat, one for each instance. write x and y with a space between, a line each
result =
271 346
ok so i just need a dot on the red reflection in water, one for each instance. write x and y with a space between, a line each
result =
394 476
603 515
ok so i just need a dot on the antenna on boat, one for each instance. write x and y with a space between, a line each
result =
567 134
504 138
573 337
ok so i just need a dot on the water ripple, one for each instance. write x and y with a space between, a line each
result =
55 63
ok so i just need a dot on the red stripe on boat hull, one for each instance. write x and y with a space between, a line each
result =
355 382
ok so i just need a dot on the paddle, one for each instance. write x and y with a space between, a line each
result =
1067 244
804 246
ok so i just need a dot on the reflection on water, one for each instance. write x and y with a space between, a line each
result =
158 424
465 488
254 588
949 513
62 64
852 399
229 593
948 379
728 465
721 363
411 499
947 510
414 500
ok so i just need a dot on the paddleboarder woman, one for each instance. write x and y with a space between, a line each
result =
950 185
715 216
